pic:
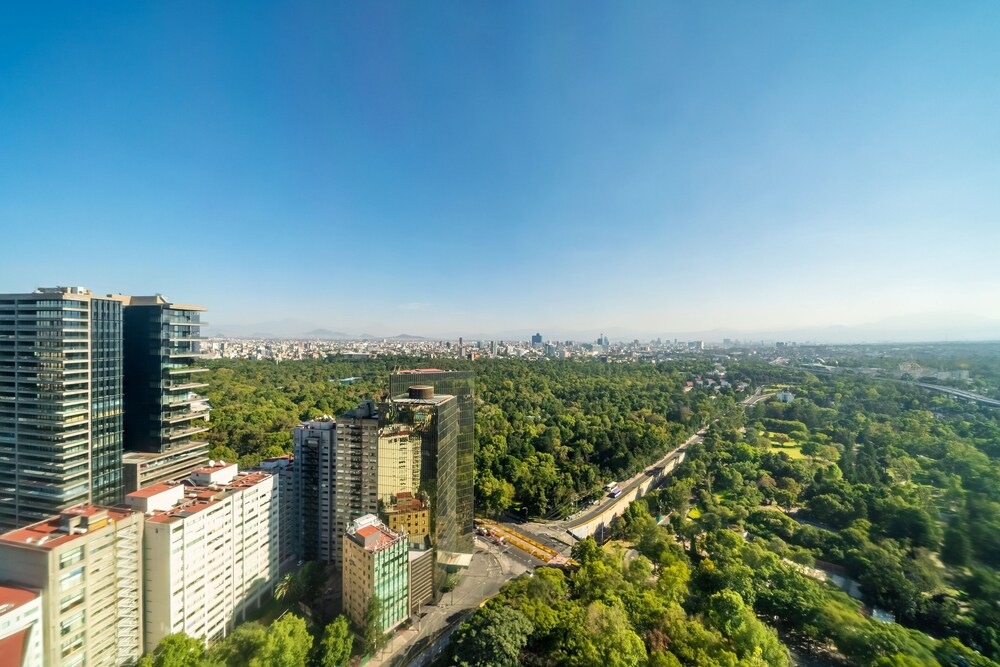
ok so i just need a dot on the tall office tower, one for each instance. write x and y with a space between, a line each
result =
435 419
88 564
165 417
355 487
60 402
210 550
315 459
398 462
376 565
461 385
536 340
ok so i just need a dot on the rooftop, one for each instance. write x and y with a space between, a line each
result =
372 535
153 489
12 597
437 399
58 530
198 498
213 466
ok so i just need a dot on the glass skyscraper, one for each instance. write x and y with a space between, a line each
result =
60 402
165 415
434 419
84 376
461 385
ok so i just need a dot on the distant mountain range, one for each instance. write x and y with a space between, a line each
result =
902 329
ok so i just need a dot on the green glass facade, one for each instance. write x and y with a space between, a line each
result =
436 421
391 583
165 413
461 385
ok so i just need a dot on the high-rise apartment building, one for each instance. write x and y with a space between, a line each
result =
315 457
336 475
165 415
461 385
355 485
87 564
282 468
376 565
61 402
211 549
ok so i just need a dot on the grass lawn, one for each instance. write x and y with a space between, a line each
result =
268 612
793 450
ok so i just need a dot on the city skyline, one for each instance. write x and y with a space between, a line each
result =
659 168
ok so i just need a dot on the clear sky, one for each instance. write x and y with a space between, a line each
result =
433 167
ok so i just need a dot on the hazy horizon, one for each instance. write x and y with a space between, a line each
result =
433 169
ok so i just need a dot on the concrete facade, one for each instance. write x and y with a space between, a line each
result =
376 564
87 564
210 551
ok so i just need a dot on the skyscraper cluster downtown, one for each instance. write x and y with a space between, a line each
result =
117 528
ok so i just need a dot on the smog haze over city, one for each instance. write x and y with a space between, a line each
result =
821 171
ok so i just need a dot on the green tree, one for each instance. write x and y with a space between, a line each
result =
287 644
375 637
956 549
492 638
335 647
286 590
178 650
240 647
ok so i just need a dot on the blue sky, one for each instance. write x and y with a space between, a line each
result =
446 167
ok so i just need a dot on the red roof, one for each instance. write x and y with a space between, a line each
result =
421 370
14 596
51 531
12 649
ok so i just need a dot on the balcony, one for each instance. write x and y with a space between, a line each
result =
181 432
172 385
181 416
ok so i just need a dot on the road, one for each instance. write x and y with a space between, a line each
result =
555 534
419 645
961 393
491 568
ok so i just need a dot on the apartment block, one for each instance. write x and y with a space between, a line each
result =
356 470
87 564
315 459
210 550
84 377
20 626
282 468
376 564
